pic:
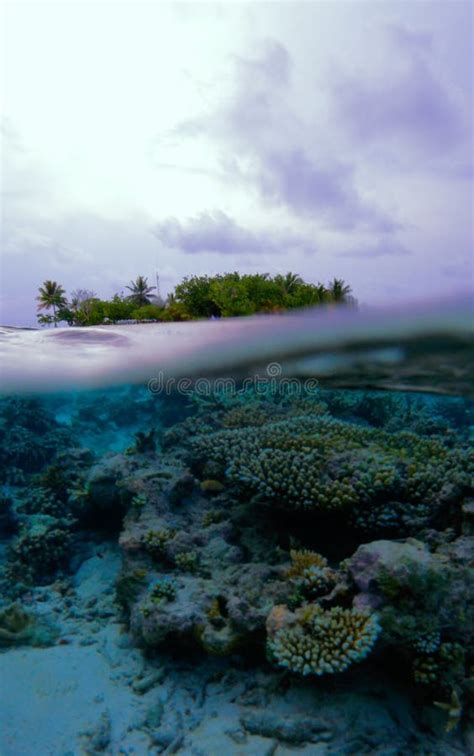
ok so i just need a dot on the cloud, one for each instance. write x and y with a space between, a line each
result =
382 248
409 111
265 145
272 68
216 232
323 193
79 250
409 39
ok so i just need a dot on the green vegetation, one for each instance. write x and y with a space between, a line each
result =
51 296
141 292
196 297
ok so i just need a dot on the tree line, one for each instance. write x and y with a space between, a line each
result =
196 297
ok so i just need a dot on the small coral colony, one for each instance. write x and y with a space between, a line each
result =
306 532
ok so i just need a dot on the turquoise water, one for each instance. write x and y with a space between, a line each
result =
253 561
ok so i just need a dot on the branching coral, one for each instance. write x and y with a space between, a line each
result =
443 664
155 541
164 589
188 561
310 572
325 464
41 548
245 416
41 501
29 436
324 641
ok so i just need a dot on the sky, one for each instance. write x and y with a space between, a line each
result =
332 139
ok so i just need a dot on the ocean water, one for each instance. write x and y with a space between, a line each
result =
247 537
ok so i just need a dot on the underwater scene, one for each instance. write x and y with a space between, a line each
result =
240 567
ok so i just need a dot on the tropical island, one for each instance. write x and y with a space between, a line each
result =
195 298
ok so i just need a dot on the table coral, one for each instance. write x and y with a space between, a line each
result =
324 464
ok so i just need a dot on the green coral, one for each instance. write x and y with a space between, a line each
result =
324 641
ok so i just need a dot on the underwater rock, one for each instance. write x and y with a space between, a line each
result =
219 614
392 557
103 486
297 730
416 591
182 488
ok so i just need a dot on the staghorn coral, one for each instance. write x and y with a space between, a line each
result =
322 641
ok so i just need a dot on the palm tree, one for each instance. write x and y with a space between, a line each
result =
140 291
339 291
289 283
322 293
51 296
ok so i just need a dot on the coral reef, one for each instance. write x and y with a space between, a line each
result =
317 641
324 464
308 532
23 422
40 549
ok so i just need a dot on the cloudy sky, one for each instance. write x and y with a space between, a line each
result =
329 138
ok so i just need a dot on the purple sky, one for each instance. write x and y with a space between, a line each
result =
332 139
